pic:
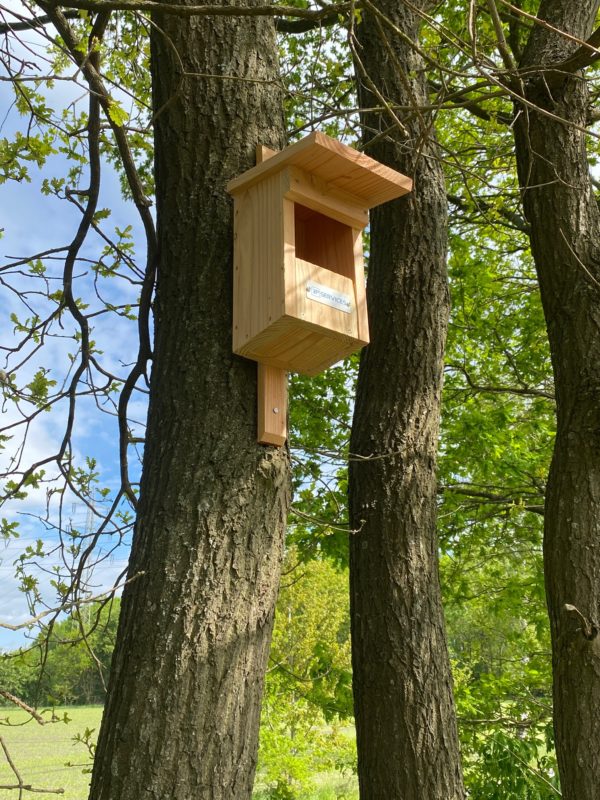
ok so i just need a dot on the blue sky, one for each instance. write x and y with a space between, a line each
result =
33 223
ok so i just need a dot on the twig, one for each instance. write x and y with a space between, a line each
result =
18 702
21 786
74 604
322 522
589 629
579 261
509 62
544 24
533 771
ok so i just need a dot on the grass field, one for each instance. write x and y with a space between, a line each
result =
41 754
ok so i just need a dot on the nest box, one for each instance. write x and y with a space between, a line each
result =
299 288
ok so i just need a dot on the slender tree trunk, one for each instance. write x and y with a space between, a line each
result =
182 714
563 213
406 728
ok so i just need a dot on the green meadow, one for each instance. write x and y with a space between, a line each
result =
51 757
42 753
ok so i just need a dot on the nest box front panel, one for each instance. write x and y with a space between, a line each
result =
329 271
299 300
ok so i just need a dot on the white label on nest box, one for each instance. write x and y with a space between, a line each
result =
329 297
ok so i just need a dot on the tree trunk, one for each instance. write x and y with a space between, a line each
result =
565 238
182 714
406 728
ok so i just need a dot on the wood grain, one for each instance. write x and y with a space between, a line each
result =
299 216
335 163
272 405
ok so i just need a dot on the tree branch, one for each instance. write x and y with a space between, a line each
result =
65 607
455 98
154 6
99 91
526 391
21 786
587 54
515 220
322 18
22 705
509 62
512 501
34 22
305 25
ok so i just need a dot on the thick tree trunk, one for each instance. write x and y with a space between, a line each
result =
565 237
406 728
182 714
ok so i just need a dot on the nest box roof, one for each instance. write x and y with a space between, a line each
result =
343 168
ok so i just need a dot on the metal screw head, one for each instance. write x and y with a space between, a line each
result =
276 410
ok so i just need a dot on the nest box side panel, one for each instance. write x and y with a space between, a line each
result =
360 288
259 249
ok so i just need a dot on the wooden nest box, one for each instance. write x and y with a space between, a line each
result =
299 288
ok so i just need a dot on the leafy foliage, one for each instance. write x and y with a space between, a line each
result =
67 665
497 427
308 695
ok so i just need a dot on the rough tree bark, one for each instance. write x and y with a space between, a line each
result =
563 213
182 713
406 727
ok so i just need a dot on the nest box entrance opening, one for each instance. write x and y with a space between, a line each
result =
323 241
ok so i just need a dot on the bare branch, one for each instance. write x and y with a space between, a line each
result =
508 500
152 6
323 522
589 45
18 702
524 390
515 220
587 54
21 786
509 62
34 22
68 606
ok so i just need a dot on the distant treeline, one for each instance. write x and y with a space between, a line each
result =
62 665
